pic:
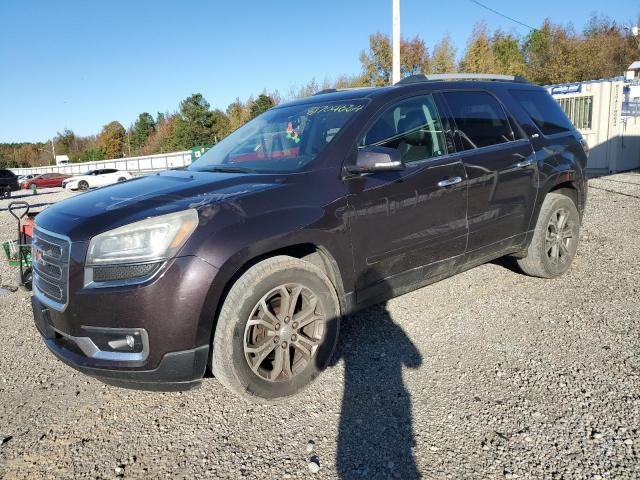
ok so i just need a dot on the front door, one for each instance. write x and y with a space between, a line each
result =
408 227
501 174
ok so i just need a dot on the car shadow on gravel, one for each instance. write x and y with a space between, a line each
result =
375 435
509 263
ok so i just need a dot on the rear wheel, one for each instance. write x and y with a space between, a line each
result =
121 179
555 239
83 185
276 331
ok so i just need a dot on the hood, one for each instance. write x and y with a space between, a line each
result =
84 216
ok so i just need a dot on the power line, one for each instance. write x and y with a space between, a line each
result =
503 15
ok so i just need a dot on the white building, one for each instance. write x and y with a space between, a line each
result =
607 114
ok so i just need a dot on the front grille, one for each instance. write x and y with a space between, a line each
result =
50 263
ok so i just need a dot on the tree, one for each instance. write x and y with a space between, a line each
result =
608 49
507 55
66 143
92 154
552 54
238 114
377 62
112 140
145 125
260 105
443 59
478 57
163 137
197 124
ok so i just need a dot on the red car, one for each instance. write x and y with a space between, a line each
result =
46 180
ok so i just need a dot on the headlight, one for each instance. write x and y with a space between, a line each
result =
151 240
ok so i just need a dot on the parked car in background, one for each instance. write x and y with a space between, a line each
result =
246 262
96 178
24 178
8 183
45 180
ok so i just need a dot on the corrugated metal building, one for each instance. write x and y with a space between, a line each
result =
607 114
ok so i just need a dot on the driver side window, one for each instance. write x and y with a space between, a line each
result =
412 126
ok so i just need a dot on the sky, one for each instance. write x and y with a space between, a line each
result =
82 64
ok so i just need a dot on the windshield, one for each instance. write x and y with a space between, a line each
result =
280 140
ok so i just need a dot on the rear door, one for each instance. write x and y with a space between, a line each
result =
501 173
408 227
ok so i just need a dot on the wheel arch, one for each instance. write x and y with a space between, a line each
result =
318 255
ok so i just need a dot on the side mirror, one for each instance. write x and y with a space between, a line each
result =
376 159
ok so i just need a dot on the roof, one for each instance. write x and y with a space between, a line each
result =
634 66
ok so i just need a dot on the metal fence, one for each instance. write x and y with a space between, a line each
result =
135 165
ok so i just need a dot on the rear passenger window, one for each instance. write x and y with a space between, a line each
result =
480 119
412 126
543 110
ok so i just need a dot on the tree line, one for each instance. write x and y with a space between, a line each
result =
553 53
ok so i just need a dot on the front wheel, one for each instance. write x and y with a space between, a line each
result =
83 185
555 239
121 179
276 331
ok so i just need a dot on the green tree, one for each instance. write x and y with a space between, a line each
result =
443 59
144 126
197 124
92 155
112 140
478 58
507 54
260 105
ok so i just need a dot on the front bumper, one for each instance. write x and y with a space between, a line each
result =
170 311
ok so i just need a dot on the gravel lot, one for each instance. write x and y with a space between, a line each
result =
489 374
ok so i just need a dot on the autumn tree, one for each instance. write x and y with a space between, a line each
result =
478 58
443 59
377 62
238 114
608 49
112 140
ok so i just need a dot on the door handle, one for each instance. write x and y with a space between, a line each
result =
447 182
526 163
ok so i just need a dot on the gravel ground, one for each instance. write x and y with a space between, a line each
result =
489 374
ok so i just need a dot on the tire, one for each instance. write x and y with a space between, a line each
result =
234 334
548 255
121 179
28 279
83 185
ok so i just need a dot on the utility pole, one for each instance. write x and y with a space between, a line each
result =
53 151
395 77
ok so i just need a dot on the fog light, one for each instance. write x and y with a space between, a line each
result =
126 343
129 340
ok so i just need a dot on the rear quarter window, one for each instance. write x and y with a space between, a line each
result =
480 119
543 110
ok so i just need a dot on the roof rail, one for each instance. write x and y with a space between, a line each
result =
419 78
325 90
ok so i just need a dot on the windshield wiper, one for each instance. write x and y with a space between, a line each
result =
227 169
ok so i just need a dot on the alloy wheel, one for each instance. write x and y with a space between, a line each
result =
284 332
559 236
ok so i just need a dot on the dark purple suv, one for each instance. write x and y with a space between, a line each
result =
245 262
